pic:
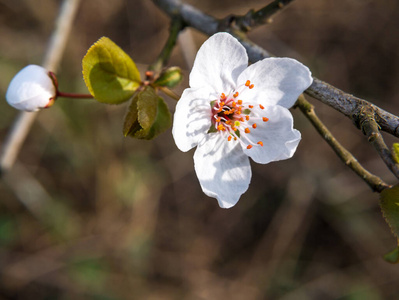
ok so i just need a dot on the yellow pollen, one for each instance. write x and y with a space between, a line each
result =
229 138
247 83
235 95
247 130
239 102
254 125
261 106
251 86
236 123
260 143
247 118
265 119
249 147
250 106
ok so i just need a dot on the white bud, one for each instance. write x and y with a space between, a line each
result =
31 89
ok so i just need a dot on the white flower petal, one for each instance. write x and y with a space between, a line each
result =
279 138
277 81
192 118
223 169
30 89
218 63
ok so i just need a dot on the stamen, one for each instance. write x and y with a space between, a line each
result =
251 86
247 118
222 96
265 119
229 138
247 83
254 125
250 106
247 130
261 106
221 127
235 95
249 147
239 102
260 143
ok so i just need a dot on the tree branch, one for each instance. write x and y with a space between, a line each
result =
262 16
375 183
322 91
369 126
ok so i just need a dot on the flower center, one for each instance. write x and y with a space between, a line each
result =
236 119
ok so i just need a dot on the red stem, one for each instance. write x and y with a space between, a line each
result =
72 95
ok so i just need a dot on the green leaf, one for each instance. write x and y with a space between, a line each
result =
147 115
109 73
389 202
395 152
169 77
393 256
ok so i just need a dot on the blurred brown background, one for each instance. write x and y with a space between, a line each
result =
89 214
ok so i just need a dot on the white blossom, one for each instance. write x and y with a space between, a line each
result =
31 89
233 111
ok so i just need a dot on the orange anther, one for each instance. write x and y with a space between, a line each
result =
221 127
235 95
249 147
229 138
223 96
250 106
251 86
239 102
261 106
265 119
234 128
234 104
260 143
241 119
247 118
218 119
235 138
247 130
247 83
254 125
228 122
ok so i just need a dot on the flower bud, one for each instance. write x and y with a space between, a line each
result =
169 77
31 89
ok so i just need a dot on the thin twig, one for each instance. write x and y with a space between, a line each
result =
55 49
370 128
175 27
375 183
322 91
262 16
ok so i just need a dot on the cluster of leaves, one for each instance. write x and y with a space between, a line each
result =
113 78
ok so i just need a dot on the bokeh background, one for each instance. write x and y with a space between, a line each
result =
88 214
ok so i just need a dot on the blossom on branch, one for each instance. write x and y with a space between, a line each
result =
31 89
233 111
